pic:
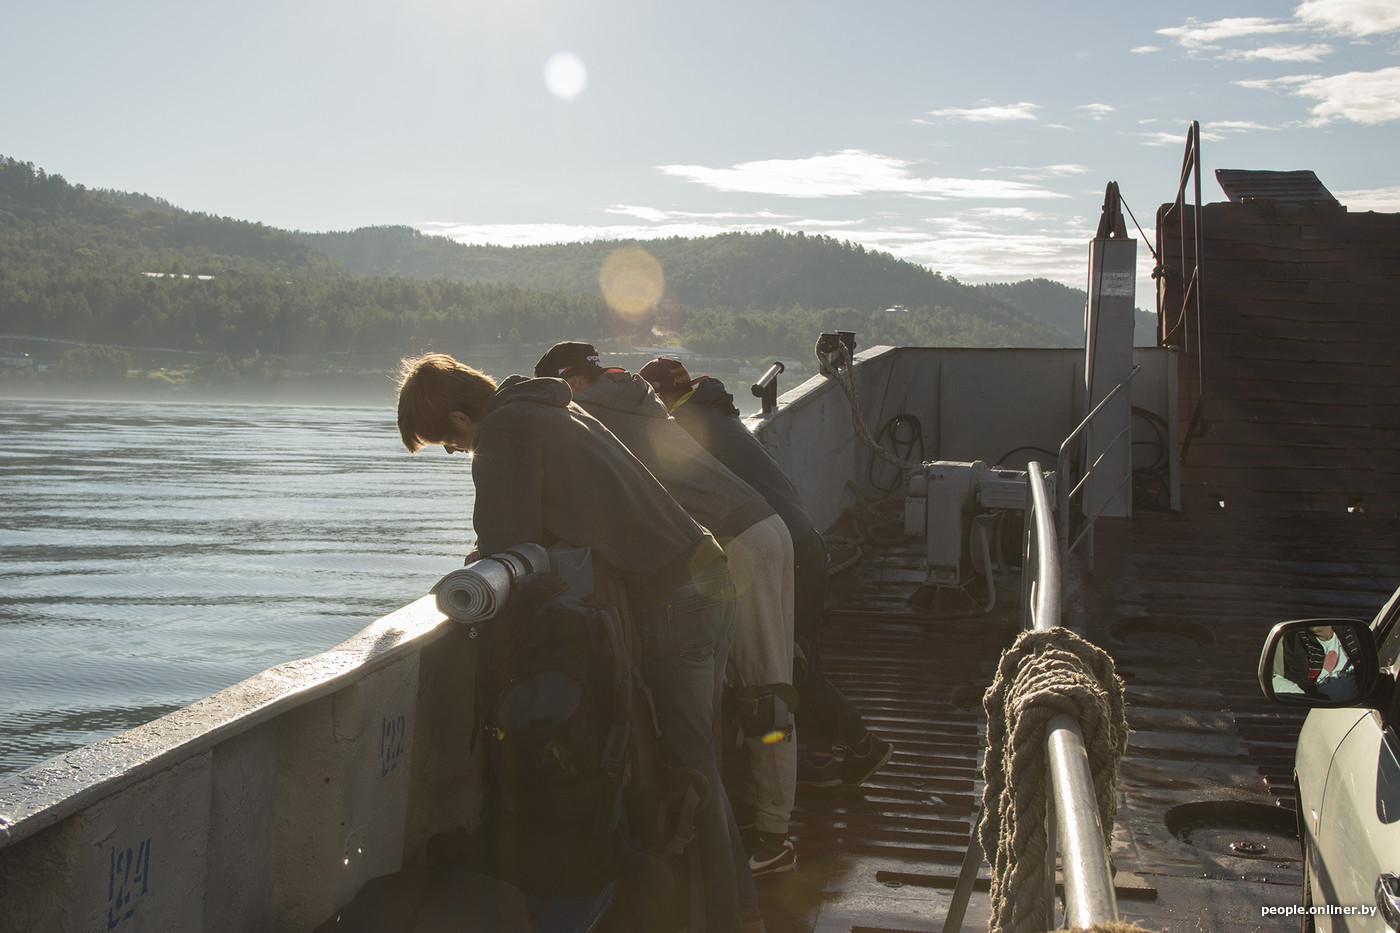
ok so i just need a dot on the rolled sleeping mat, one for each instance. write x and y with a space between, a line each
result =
481 589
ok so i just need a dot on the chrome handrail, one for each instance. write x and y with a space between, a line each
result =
1063 490
1073 821
1088 880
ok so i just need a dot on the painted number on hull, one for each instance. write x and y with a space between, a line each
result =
130 874
391 743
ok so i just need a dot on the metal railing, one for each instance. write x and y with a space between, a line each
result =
1073 821
1088 881
1184 329
1064 492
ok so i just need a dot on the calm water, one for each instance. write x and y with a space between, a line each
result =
153 554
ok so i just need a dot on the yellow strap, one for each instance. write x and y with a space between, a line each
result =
682 400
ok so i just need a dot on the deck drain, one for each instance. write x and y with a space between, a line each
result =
1163 634
1244 830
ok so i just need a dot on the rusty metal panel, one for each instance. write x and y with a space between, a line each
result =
1294 355
1243 184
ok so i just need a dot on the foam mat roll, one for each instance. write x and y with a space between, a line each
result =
481 589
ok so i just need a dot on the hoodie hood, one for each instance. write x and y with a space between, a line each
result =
716 498
544 391
623 392
710 391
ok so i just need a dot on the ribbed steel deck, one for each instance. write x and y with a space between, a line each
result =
1204 835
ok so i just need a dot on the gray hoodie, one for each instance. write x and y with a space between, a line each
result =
704 487
546 471
708 415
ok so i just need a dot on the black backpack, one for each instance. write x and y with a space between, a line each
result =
581 791
554 696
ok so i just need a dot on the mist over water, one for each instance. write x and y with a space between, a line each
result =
152 554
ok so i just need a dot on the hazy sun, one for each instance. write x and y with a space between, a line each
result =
565 75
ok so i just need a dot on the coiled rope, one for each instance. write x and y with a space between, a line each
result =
836 365
1043 674
877 520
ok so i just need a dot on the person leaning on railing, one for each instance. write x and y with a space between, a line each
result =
703 407
760 555
546 471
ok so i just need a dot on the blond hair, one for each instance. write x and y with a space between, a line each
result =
430 387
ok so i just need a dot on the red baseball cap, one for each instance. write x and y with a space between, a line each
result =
667 375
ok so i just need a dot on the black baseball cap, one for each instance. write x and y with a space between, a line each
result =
569 358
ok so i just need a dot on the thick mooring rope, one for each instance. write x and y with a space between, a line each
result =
1044 673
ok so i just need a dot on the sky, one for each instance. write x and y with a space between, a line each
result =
976 139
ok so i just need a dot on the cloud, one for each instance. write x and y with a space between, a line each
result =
976 255
1386 200
535 234
1236 126
1144 49
1006 213
657 215
1367 97
1352 17
990 113
1281 53
1177 139
849 173
1213 132
1196 34
979 244
1039 172
1097 111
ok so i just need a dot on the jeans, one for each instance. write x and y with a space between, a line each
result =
685 639
825 711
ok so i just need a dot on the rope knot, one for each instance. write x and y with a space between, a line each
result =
1045 673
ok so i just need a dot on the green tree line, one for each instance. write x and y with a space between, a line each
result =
131 270
753 275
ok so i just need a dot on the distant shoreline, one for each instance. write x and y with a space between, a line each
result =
328 389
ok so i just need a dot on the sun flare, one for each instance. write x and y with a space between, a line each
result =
632 281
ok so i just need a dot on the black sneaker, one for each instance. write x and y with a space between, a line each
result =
857 768
817 769
771 855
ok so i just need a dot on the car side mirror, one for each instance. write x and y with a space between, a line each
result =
1319 663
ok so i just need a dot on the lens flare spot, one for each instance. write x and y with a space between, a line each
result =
632 281
565 75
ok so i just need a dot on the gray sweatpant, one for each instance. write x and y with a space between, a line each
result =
760 559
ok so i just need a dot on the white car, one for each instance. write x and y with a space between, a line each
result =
1347 769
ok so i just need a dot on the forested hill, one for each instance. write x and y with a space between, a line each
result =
731 272
85 266
44 220
1063 307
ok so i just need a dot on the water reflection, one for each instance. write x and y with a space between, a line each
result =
152 554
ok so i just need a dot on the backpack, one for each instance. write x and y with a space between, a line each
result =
554 694
581 791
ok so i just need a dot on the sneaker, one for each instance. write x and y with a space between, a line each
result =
771 854
857 768
818 769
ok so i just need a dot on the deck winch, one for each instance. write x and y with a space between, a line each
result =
953 506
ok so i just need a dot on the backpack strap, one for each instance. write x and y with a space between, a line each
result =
620 728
